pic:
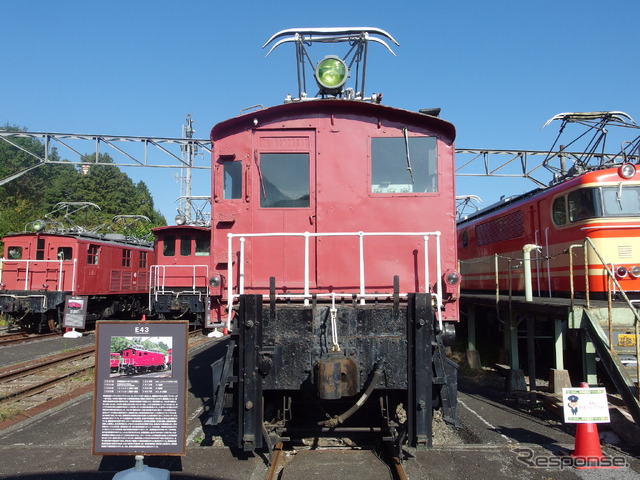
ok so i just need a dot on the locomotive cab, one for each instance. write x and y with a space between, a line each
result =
180 278
332 230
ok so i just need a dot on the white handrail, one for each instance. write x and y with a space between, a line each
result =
60 271
159 276
361 296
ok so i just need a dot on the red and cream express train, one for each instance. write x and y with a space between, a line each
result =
602 205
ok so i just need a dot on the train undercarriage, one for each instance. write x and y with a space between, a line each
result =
335 370
178 305
42 312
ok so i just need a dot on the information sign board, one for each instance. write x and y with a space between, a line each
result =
75 312
585 405
140 388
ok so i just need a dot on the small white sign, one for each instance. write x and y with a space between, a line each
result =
585 405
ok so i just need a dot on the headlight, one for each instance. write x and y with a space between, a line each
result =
452 278
635 271
627 170
621 272
180 219
38 225
215 281
331 74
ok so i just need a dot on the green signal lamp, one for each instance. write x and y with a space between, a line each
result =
331 74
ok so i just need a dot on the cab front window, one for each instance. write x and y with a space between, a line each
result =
404 165
621 201
284 181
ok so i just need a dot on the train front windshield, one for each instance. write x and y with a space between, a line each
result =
614 201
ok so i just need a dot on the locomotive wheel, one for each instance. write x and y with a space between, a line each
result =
29 323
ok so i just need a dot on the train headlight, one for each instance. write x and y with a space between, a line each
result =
38 225
215 281
331 74
627 170
180 219
621 272
451 282
453 278
635 271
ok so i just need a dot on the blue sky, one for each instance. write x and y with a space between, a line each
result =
498 69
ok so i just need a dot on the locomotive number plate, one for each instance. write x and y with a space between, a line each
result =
626 340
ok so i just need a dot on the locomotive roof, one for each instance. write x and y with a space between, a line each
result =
311 107
593 175
174 228
114 238
499 205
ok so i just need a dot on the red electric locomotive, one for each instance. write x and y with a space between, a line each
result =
333 233
596 204
179 280
138 360
44 265
114 362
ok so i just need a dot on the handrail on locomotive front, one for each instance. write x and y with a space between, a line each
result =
159 277
27 262
362 295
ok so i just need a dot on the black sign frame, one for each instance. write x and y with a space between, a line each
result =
139 402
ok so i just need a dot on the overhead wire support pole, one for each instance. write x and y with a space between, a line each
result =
119 146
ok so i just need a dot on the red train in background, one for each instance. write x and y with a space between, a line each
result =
179 278
49 262
333 259
598 201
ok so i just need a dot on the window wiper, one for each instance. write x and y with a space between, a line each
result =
256 161
619 196
406 146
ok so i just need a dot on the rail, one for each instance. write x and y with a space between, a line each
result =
161 273
306 296
27 282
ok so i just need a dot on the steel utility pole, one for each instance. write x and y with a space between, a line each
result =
189 150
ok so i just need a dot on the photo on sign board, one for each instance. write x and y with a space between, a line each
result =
141 356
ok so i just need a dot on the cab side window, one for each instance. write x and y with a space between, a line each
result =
232 178
559 211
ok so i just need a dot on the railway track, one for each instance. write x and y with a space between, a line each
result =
22 337
34 386
354 463
33 377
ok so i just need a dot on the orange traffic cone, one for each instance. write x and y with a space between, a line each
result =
225 331
587 452
144 318
587 445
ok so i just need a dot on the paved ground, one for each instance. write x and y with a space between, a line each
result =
499 440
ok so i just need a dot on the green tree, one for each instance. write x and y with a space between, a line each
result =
36 192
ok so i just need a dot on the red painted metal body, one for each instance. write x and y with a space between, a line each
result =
136 360
80 265
599 205
114 362
329 187
180 275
